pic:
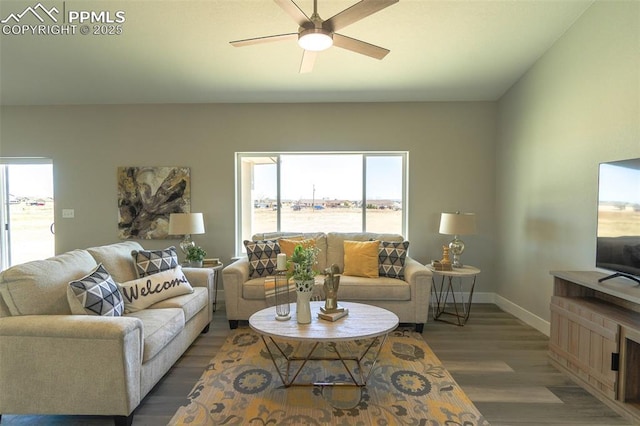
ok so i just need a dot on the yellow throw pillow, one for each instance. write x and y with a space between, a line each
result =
288 245
361 258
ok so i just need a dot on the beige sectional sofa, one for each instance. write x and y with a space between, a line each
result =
53 362
408 298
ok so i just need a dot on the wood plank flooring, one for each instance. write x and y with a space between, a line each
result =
500 362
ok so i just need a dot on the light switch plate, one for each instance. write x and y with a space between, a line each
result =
68 213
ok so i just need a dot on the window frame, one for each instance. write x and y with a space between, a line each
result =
275 156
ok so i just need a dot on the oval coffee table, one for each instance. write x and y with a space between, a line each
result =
362 322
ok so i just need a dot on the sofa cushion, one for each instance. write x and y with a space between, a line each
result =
40 287
149 262
159 327
391 258
191 303
263 256
359 289
95 294
361 258
335 243
143 292
116 259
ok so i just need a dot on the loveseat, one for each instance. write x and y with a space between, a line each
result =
56 362
408 297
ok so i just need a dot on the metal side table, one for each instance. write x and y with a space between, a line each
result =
444 290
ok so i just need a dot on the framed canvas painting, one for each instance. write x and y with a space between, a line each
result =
146 198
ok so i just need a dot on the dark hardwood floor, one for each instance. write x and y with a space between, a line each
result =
500 362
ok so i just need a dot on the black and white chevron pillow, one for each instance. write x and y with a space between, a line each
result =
391 258
263 257
149 262
95 294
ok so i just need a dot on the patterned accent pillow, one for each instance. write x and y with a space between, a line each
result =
149 262
95 294
263 256
144 292
391 258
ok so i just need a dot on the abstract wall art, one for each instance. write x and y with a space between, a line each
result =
146 198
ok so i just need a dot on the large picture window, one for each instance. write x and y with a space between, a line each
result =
320 192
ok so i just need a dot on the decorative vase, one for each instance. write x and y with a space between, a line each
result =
195 263
303 307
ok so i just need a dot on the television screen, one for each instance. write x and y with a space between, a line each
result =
618 237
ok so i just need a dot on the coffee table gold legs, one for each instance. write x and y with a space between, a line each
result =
288 376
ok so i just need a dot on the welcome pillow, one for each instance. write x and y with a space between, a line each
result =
143 292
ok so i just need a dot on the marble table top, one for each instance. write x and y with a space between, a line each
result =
363 321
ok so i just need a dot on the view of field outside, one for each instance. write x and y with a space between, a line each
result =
334 220
324 192
31 213
619 201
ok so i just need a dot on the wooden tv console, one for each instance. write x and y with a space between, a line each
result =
595 336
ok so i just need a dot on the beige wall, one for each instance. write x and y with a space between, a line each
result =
451 159
578 106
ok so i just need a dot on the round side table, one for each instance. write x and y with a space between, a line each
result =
440 292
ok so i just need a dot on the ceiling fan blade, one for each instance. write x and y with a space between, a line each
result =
355 13
359 46
294 11
266 39
308 59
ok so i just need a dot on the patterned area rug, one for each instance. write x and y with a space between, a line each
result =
407 386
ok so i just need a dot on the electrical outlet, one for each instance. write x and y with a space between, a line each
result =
68 213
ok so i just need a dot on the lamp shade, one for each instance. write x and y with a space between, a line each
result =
457 223
186 223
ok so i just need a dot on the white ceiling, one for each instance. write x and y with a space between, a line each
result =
178 52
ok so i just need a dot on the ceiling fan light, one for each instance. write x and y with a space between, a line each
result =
315 39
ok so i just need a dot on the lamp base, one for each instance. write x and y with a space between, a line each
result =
456 247
186 244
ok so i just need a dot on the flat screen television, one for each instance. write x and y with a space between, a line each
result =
618 236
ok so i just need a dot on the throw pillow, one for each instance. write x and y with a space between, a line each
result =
143 292
361 258
288 245
263 257
149 262
95 294
391 258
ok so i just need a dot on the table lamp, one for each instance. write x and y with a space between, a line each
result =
186 224
457 224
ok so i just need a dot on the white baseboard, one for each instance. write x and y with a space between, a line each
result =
527 317
506 305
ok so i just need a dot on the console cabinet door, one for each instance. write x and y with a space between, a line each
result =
583 341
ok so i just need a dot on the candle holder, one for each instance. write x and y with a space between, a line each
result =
283 312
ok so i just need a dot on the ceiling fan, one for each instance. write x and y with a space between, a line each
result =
315 34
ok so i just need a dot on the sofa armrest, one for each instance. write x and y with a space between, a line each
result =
233 277
199 277
203 277
70 364
419 278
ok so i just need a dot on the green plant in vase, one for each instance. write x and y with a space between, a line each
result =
303 273
304 259
195 255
